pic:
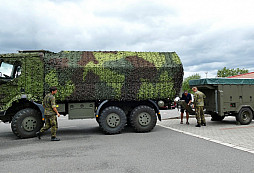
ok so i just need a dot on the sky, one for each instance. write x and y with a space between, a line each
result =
206 34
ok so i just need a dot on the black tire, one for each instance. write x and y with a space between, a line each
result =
26 123
245 116
112 120
216 117
143 118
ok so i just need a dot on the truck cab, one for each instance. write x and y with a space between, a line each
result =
19 74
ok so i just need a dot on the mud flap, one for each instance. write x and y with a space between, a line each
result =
159 116
187 107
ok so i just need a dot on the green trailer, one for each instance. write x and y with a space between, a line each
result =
227 97
114 87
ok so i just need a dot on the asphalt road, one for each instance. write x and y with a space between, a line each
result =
83 148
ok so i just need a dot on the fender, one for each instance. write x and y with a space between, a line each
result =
99 108
157 110
244 106
40 108
25 96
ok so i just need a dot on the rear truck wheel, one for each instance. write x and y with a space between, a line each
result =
112 120
143 118
216 117
26 123
245 116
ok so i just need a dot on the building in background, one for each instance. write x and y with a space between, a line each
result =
246 75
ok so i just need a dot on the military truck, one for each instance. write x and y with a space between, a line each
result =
227 97
115 87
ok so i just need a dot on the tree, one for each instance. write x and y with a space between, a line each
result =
186 86
226 72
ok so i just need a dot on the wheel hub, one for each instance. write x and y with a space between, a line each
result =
113 120
245 116
29 124
144 118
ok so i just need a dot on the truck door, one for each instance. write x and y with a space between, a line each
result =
11 80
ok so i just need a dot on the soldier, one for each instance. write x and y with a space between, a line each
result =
199 104
50 113
187 98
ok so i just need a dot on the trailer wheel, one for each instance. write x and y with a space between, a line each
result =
112 120
26 123
245 116
143 118
216 117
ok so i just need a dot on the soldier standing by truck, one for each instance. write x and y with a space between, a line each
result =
50 113
187 98
199 105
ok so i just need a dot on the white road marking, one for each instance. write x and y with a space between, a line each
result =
212 140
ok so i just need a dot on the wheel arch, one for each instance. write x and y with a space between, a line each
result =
22 104
244 106
100 108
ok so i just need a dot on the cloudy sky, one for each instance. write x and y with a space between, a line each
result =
207 34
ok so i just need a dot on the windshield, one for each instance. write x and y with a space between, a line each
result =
6 70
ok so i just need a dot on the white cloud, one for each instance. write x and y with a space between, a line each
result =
207 35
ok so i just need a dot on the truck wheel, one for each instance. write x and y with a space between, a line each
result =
112 120
245 116
26 123
216 117
143 118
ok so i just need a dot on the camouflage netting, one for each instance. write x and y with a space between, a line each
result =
30 82
113 75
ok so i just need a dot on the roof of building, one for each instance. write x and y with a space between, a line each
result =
246 75
221 81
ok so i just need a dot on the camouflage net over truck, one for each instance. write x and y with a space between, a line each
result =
113 75
113 86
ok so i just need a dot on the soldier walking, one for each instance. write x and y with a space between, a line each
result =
50 113
199 105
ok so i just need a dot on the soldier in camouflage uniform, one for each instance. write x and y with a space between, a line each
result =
50 112
199 105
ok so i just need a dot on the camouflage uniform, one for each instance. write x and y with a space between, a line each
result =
50 115
199 105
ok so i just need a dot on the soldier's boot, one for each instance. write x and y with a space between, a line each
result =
198 125
55 139
38 134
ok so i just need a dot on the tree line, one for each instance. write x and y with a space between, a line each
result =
224 72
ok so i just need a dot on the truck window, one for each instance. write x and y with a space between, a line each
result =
6 70
9 71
